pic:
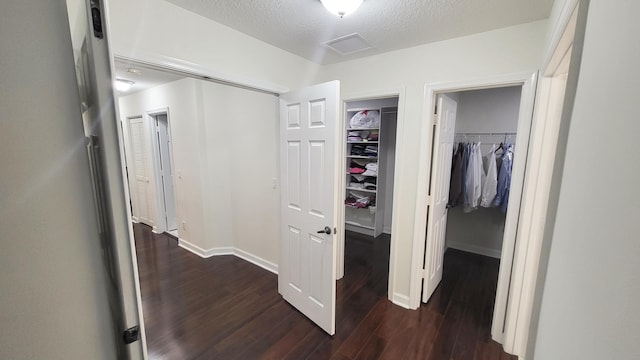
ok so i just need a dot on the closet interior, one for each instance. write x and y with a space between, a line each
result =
484 143
370 138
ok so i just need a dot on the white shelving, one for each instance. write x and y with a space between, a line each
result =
370 218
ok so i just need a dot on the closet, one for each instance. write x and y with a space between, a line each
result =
370 135
487 120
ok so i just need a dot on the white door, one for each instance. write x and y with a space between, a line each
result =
164 148
140 169
444 132
308 172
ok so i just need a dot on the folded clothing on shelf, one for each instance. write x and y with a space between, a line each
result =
371 169
354 136
363 179
371 150
360 201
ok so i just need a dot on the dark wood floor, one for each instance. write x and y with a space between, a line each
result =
226 308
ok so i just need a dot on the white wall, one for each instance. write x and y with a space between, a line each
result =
225 159
490 110
156 28
591 291
242 149
53 286
503 51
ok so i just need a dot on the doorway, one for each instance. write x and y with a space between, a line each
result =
425 201
473 146
369 132
164 172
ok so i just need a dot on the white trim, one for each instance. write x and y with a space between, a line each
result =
229 250
387 230
401 300
528 82
564 18
475 249
187 68
256 260
155 230
158 195
536 193
202 252
400 125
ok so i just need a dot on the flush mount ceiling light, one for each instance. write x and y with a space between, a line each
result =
341 7
123 85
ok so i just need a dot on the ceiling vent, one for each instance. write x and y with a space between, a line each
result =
348 44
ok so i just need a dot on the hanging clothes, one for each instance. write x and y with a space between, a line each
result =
504 179
455 185
490 186
475 178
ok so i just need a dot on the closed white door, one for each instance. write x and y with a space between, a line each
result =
308 135
444 132
140 169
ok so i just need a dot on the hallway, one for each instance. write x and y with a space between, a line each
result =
226 308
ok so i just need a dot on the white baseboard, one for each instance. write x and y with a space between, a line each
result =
134 219
229 250
480 250
401 300
202 252
155 230
256 260
386 230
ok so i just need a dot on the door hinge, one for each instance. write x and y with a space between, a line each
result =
132 334
429 200
435 119
423 274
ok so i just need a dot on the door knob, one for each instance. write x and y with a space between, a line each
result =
326 230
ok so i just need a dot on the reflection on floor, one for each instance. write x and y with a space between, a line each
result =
226 308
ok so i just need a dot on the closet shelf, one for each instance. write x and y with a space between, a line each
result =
358 224
348 173
362 142
362 129
362 157
363 190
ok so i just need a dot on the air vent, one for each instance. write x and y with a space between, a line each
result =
348 44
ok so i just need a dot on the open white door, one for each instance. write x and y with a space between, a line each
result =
443 134
309 205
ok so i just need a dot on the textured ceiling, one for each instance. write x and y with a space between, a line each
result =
303 27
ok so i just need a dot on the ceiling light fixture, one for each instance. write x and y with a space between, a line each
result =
341 7
123 85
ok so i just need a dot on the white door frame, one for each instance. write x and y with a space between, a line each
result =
528 83
341 186
544 138
160 225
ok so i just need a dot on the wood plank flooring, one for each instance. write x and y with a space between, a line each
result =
226 308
